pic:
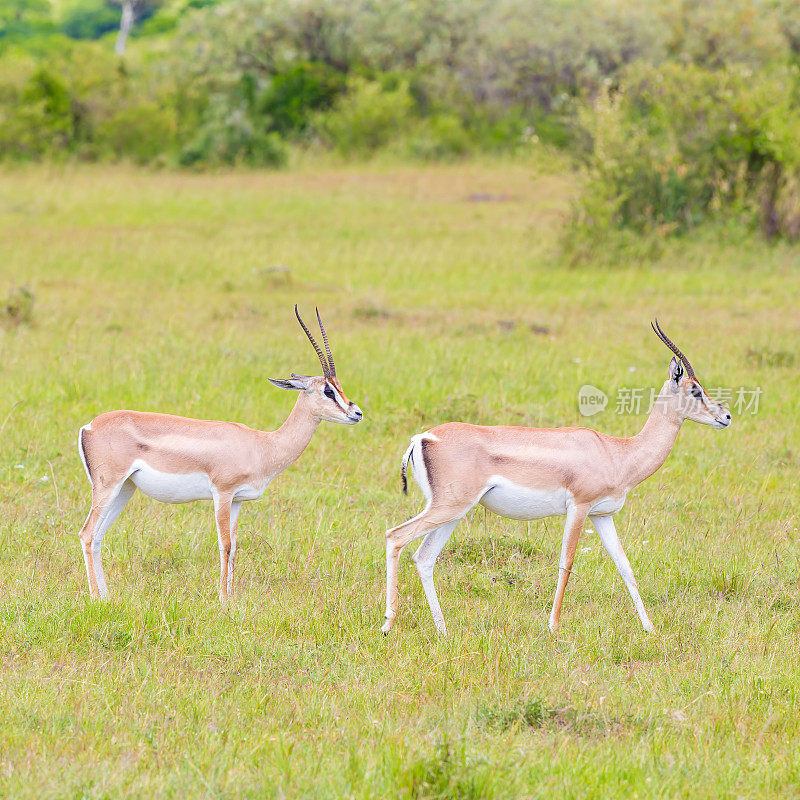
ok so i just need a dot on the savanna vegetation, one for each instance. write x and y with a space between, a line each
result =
489 201
677 112
446 296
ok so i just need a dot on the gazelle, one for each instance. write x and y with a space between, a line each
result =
177 460
531 473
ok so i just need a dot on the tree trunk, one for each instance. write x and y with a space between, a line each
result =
125 25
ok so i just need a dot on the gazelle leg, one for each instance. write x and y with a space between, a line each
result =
222 512
113 510
608 536
235 507
397 538
86 534
576 518
425 559
100 518
392 563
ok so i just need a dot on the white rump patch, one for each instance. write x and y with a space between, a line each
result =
418 464
80 450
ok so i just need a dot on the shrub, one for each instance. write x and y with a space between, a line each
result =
433 79
681 143
230 136
367 117
140 132
90 20
21 19
35 110
441 136
291 97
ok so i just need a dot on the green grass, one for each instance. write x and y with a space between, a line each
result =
159 291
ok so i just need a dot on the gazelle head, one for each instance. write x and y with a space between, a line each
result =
683 392
324 393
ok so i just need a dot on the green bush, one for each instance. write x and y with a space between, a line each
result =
228 137
680 144
36 116
291 97
439 137
140 132
78 101
90 20
430 80
23 19
367 117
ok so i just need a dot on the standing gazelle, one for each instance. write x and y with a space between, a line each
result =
531 473
177 460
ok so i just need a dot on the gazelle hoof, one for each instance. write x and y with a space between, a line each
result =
387 626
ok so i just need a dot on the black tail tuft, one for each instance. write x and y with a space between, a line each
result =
404 470
407 456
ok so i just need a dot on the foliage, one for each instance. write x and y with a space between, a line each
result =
35 109
231 136
21 19
90 20
437 137
366 117
140 132
676 145
246 81
78 102
290 97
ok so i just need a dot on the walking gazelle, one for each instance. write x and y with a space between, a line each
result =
531 473
177 460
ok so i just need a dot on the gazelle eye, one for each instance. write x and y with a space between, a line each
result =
696 392
329 393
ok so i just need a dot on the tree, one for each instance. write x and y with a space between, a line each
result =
132 10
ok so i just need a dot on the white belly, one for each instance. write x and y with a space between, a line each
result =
519 502
184 488
170 488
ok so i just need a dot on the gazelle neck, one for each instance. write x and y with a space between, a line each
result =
648 450
288 442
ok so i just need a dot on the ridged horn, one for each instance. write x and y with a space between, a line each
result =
327 346
672 346
326 370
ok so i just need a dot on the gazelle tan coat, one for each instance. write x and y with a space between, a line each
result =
531 473
178 460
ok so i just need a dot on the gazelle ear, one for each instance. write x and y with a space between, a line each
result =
297 383
675 373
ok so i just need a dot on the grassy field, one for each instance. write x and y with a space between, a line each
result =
444 299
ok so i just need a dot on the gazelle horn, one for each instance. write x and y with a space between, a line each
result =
327 346
326 370
672 346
